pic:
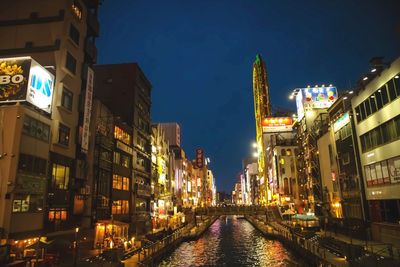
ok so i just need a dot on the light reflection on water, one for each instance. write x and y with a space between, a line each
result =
230 242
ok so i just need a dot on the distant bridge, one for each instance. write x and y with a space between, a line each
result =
272 212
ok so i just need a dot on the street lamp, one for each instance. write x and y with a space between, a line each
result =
76 245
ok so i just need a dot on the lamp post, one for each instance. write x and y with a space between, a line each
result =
76 246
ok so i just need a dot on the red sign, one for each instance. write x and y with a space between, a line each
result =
199 158
277 124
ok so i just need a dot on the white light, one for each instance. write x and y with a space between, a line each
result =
291 97
330 85
372 96
254 144
373 70
351 92
365 78
323 85
396 77
308 86
255 154
345 97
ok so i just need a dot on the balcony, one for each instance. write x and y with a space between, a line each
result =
143 190
93 24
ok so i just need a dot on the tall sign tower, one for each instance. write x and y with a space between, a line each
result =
262 109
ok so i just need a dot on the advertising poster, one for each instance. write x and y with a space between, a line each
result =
14 75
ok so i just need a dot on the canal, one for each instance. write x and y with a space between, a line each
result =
231 241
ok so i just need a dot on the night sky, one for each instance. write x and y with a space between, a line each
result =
198 56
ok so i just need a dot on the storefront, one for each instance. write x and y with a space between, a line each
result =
110 234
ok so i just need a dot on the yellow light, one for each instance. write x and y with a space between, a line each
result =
76 229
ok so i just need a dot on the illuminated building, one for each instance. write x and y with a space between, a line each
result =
262 110
280 157
376 109
161 181
61 36
111 82
250 172
347 178
312 122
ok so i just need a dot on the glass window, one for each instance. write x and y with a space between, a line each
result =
60 176
120 183
362 111
74 34
31 164
63 134
125 160
378 99
397 124
66 99
394 169
396 81
70 63
392 90
59 214
367 107
120 207
117 158
358 115
345 158
122 135
372 103
36 129
384 94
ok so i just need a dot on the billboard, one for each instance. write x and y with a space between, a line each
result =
199 158
314 98
341 122
88 110
23 79
277 124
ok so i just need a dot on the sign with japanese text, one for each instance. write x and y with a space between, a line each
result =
87 111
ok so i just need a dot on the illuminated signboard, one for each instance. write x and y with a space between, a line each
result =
341 122
199 158
314 98
87 110
23 79
277 124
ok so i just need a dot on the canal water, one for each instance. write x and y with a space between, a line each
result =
231 241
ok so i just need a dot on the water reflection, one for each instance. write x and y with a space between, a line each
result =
230 242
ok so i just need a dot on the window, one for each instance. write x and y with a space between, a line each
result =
367 108
140 161
63 135
385 133
60 176
74 34
120 183
71 63
122 135
378 99
32 164
392 90
36 129
372 104
362 111
125 161
105 155
396 81
358 115
385 97
27 203
120 207
77 10
117 157
345 158
66 99
58 214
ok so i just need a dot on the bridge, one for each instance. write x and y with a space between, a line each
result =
272 212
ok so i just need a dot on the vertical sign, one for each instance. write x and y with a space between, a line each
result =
88 111
199 158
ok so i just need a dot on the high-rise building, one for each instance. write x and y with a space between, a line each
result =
376 109
125 90
172 133
262 109
59 35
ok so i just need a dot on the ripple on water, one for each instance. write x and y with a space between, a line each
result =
230 242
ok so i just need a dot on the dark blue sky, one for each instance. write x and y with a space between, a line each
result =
198 56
